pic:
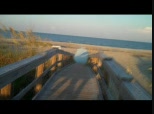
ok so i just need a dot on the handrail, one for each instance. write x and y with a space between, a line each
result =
119 82
113 67
33 83
13 71
103 85
48 81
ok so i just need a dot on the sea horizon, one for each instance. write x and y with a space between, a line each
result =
90 40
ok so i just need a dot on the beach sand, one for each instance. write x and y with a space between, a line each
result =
137 63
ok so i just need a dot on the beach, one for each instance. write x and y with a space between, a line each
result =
137 63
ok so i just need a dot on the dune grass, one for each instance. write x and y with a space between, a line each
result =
21 45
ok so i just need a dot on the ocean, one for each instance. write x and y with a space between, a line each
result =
91 41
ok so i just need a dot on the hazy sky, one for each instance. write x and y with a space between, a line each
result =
125 27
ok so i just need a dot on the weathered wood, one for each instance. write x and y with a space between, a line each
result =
49 80
112 66
53 61
13 71
60 57
116 76
39 72
94 60
106 93
6 91
115 69
64 52
133 91
119 85
71 84
114 88
99 64
33 83
65 58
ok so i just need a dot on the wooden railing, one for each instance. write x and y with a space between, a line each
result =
116 84
11 72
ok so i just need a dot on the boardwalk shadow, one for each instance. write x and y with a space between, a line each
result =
75 82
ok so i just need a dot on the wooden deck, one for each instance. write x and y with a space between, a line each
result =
75 82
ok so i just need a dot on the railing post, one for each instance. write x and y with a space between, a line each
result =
39 71
60 57
99 64
11 73
64 58
5 92
94 61
53 61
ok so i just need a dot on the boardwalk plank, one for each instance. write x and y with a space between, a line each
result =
76 82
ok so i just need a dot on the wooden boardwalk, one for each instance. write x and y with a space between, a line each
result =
75 82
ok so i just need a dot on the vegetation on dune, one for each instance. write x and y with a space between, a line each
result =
21 45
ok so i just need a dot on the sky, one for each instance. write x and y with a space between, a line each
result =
123 27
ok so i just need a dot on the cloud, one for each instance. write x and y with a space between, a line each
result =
145 30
